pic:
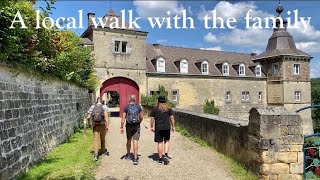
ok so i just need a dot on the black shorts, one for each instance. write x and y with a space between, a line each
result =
133 131
161 135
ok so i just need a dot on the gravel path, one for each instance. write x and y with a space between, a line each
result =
189 160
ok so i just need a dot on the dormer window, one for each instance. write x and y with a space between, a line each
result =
258 70
225 69
242 70
184 66
204 67
161 65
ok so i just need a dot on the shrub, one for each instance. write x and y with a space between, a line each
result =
209 107
150 101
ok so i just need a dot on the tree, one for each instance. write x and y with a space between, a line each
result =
150 101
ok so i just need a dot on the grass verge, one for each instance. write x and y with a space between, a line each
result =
70 160
238 170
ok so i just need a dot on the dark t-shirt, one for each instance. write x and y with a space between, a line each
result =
126 108
162 119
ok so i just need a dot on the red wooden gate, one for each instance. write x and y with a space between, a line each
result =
124 86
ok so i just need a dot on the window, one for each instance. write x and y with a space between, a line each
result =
121 46
297 95
275 68
242 70
175 96
124 47
258 70
117 46
184 66
204 67
260 96
225 69
161 65
245 96
151 93
296 68
228 96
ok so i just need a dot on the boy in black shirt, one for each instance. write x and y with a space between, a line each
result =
163 119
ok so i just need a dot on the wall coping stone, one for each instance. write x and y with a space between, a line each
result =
231 121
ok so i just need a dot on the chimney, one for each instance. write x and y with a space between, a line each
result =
90 16
253 55
156 46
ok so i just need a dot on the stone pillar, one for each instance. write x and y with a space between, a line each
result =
280 140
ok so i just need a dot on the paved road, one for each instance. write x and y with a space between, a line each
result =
189 160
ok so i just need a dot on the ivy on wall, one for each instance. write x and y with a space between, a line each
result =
49 52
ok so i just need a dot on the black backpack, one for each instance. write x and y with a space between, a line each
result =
133 114
98 114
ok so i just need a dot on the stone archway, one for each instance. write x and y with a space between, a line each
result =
124 86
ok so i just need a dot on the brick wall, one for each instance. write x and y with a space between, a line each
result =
35 116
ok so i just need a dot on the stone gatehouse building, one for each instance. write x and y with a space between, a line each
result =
125 63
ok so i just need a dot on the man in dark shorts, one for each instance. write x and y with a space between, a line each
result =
163 119
132 117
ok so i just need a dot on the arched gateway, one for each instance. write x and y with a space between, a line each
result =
124 87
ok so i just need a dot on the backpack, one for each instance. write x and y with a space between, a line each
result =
98 114
133 114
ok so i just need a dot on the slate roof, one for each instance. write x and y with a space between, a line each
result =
86 41
193 56
112 15
281 43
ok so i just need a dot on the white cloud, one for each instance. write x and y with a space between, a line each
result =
157 8
309 46
307 40
237 10
162 41
256 38
216 48
210 38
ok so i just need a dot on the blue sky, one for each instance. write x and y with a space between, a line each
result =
240 39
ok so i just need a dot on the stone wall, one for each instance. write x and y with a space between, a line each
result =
270 144
193 91
35 116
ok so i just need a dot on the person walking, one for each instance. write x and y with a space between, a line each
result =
132 117
99 121
162 121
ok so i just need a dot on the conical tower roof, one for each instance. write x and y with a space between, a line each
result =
281 42
111 17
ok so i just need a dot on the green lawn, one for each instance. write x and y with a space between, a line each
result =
70 160
238 170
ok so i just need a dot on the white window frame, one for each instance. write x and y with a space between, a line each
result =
242 70
118 49
296 69
175 98
259 96
184 66
228 96
297 96
258 70
225 69
274 71
245 96
161 65
204 70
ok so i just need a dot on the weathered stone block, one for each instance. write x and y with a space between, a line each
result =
267 157
300 157
265 169
296 168
289 177
284 130
287 157
279 168
295 130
